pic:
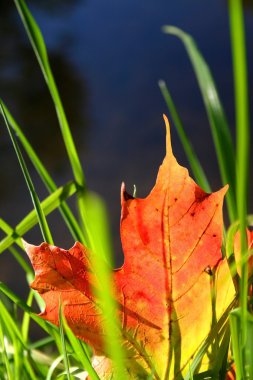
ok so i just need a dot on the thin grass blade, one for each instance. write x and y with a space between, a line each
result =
40 50
20 303
53 367
64 351
29 369
10 324
26 318
52 202
46 178
243 355
220 131
24 265
81 353
4 352
35 199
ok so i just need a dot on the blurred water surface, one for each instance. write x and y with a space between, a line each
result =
107 57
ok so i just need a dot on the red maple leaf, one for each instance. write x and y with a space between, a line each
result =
173 262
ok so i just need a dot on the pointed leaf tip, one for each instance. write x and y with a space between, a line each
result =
27 246
168 137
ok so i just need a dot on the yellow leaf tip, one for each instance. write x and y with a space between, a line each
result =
168 138
26 245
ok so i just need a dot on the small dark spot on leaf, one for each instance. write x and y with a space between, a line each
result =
192 213
208 270
214 235
175 199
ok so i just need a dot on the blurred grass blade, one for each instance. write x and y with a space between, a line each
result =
238 45
97 215
48 205
242 351
217 119
26 318
79 350
19 302
41 343
4 354
196 167
64 351
49 328
35 199
53 366
107 306
29 369
46 178
10 323
230 253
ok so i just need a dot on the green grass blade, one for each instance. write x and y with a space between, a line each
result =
48 205
96 213
48 327
53 366
16 344
4 352
46 178
8 230
217 119
26 318
221 359
196 167
242 350
230 253
35 199
19 302
238 45
22 262
39 48
10 323
41 343
29 369
107 306
63 344
81 353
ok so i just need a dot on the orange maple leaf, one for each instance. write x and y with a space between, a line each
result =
173 263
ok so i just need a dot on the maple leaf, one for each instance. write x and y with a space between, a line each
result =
173 263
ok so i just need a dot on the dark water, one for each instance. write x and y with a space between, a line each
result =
107 57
